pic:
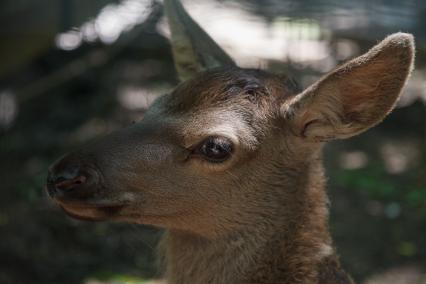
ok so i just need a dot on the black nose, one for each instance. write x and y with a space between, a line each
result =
73 178
65 182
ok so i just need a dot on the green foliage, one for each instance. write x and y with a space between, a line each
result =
377 184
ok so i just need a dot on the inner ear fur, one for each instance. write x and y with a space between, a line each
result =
356 95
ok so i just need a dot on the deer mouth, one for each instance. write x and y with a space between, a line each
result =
92 212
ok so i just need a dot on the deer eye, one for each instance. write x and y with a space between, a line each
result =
215 149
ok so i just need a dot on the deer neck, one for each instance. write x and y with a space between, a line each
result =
286 248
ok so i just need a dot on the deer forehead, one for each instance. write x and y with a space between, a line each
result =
229 123
225 87
190 128
234 103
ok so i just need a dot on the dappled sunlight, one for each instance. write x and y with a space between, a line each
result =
108 25
399 157
248 38
353 160
8 109
346 49
252 41
390 210
69 40
307 43
415 89
137 98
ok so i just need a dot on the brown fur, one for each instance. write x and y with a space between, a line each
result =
261 216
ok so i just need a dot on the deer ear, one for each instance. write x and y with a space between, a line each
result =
193 49
355 96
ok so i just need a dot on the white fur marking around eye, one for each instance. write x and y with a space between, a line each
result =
220 123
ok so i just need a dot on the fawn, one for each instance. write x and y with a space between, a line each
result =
230 164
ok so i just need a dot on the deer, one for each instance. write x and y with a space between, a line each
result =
229 163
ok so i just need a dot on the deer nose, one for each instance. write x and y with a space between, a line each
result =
60 184
72 179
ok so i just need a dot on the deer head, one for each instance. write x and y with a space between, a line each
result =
227 146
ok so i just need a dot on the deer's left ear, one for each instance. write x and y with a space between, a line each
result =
355 96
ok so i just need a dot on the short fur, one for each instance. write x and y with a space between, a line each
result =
261 216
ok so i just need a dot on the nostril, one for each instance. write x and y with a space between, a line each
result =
62 183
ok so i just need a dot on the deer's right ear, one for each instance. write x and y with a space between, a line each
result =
355 96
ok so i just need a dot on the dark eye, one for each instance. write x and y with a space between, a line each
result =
215 149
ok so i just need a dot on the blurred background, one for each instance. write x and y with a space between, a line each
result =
72 70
